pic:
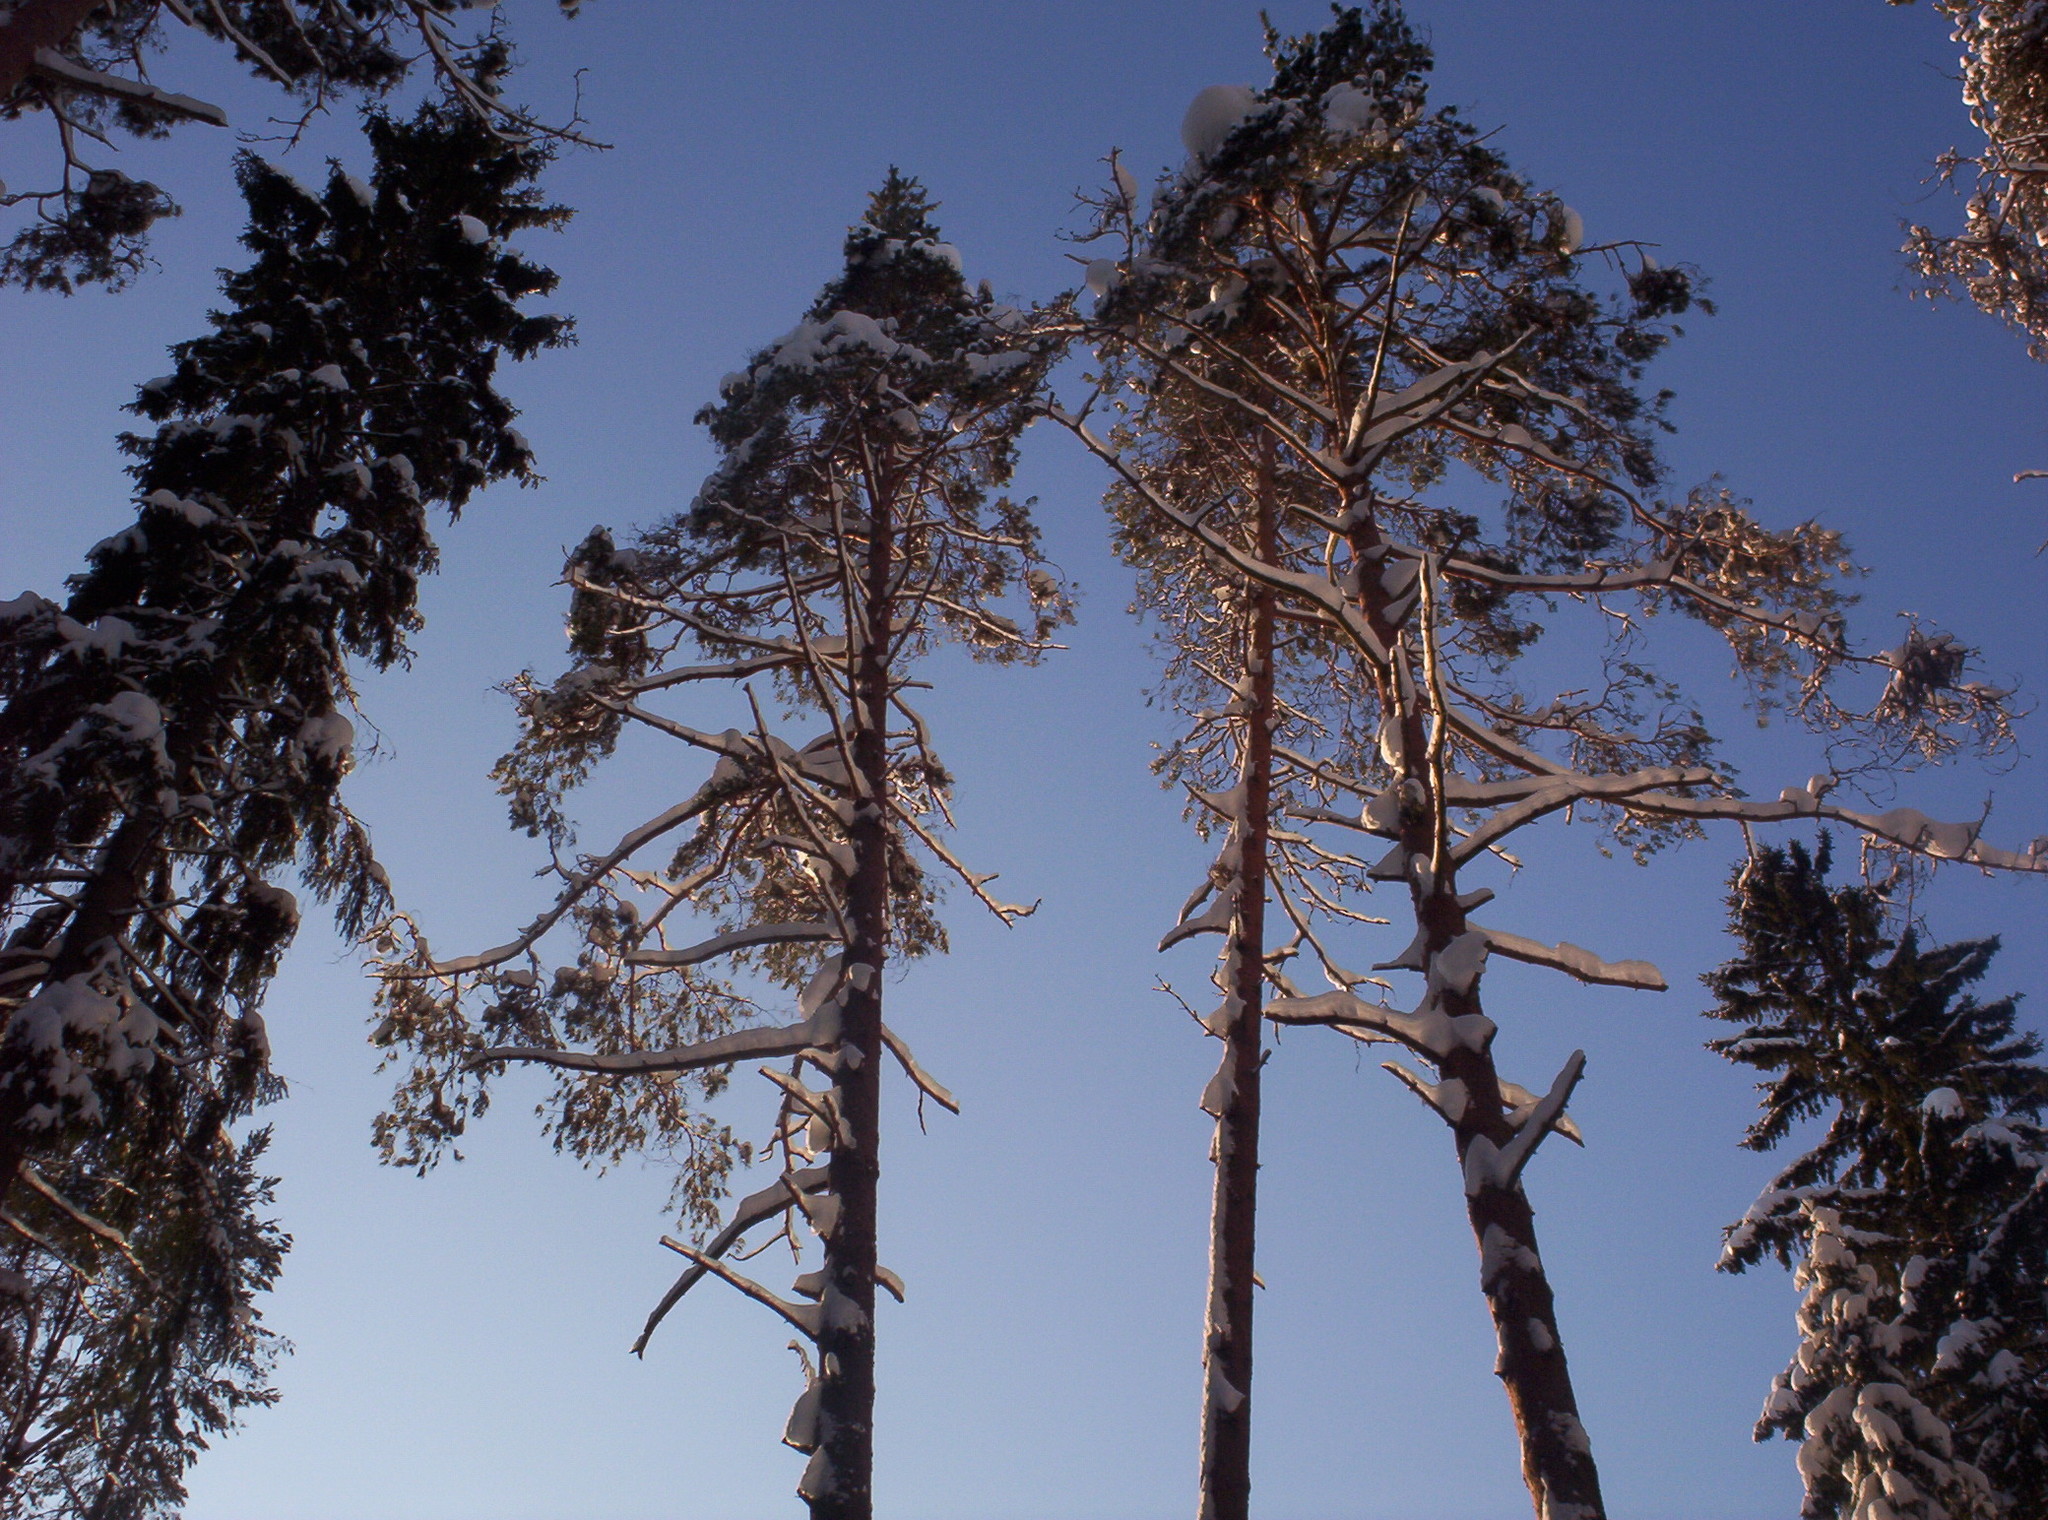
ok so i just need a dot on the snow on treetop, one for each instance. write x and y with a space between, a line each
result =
329 736
1943 1103
193 513
1213 115
277 899
1348 110
809 344
138 717
1126 184
27 605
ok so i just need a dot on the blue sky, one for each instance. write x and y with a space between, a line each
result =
461 1340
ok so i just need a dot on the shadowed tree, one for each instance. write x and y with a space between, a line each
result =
84 64
173 742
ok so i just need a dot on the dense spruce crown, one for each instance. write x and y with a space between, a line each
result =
173 736
1919 1221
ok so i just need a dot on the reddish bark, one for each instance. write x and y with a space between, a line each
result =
1557 1458
37 24
1226 1479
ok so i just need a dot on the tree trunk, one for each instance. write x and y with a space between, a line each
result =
104 909
37 24
1557 1457
1233 1096
839 1484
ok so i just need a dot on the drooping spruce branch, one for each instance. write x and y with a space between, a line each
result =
83 65
851 530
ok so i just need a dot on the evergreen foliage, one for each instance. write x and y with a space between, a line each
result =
79 62
1918 1221
172 742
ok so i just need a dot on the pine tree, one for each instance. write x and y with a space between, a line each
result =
1996 261
1919 1221
1254 691
79 62
849 531
172 742
1347 304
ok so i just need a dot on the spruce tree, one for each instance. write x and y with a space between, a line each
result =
1350 306
849 531
173 737
1918 1222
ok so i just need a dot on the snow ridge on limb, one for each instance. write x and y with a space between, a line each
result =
923 1080
1577 962
54 65
1490 1166
776 1199
740 939
741 1045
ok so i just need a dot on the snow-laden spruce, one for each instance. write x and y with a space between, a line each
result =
1338 301
172 743
1918 1223
849 531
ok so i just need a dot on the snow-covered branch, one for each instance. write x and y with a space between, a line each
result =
1488 1166
739 939
756 1208
807 1319
1574 961
820 1031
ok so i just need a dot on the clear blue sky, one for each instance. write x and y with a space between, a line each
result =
461 1340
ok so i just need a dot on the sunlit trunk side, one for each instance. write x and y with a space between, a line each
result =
1233 1096
1557 1457
846 1338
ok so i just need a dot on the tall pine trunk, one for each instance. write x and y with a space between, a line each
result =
1226 1477
844 1488
1557 1457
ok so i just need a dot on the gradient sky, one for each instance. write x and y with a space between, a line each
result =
461 1340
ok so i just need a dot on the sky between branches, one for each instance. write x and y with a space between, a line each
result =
462 1340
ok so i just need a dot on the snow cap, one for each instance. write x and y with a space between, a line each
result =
1214 114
